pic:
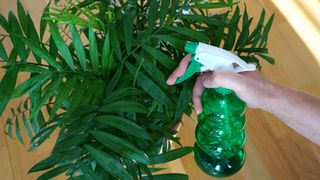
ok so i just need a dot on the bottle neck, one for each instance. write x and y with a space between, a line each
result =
223 91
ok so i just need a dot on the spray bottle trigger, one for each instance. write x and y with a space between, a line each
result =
193 68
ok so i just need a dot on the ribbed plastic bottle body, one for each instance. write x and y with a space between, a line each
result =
220 134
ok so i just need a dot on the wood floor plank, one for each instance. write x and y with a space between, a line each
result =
5 165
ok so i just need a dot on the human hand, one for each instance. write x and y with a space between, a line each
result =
248 86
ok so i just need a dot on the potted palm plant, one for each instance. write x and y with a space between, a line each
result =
96 74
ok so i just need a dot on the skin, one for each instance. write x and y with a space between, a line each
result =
297 109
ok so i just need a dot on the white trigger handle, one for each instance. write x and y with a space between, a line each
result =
214 59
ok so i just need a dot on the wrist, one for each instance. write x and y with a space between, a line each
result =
274 98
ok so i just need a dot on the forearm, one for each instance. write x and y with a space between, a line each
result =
298 110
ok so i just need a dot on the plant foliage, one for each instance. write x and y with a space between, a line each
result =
99 74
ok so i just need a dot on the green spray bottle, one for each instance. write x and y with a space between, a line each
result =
220 133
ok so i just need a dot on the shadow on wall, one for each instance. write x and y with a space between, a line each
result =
304 19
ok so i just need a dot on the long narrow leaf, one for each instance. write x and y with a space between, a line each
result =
44 21
121 93
213 5
43 53
124 106
123 124
7 85
18 131
8 127
70 142
33 35
63 94
32 68
114 80
173 176
3 53
15 33
27 126
31 84
54 172
77 43
257 31
243 37
115 41
88 172
41 136
268 25
254 50
245 17
189 33
120 146
267 58
200 18
266 31
172 39
170 155
4 23
61 45
163 59
182 103
35 97
152 14
22 18
56 158
174 7
128 24
232 30
94 56
107 60
216 41
152 70
164 10
12 57
108 163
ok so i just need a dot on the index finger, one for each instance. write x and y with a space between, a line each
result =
179 71
197 93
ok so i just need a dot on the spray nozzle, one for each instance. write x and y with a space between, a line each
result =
205 57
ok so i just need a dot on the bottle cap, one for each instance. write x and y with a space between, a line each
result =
223 91
191 47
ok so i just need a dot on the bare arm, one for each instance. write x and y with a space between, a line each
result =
297 109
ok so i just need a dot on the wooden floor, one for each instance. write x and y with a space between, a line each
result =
273 150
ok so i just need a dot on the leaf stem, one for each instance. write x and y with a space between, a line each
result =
139 168
64 31
34 64
5 35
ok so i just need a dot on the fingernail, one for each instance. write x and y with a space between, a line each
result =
169 82
197 111
206 83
